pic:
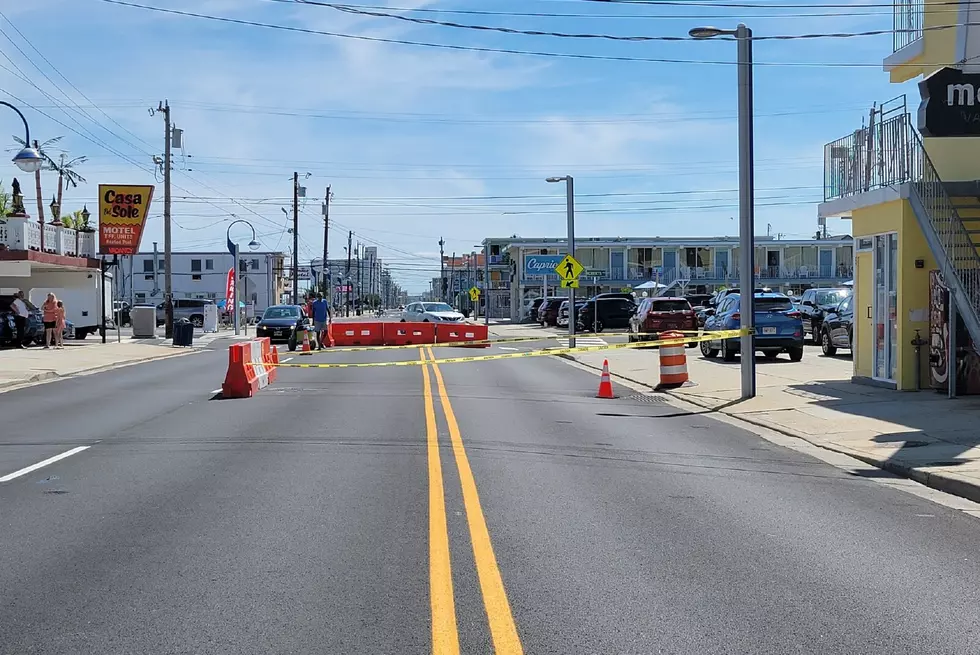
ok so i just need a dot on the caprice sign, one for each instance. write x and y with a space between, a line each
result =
538 265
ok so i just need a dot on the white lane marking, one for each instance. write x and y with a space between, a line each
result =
288 359
506 348
50 460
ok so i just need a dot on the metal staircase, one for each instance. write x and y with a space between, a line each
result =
948 237
676 288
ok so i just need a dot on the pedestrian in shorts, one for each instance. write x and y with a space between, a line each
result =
321 320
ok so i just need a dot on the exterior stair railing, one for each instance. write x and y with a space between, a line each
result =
948 239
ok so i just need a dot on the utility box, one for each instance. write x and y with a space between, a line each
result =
144 320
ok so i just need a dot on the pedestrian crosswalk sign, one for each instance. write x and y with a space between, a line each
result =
474 294
569 284
568 269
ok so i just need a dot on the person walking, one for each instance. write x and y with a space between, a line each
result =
49 310
20 317
321 319
59 334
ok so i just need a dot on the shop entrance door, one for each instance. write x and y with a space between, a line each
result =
885 307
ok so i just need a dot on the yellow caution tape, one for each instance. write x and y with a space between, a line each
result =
548 352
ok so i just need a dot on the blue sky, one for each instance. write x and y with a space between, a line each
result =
419 142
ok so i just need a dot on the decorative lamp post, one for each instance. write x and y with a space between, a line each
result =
55 211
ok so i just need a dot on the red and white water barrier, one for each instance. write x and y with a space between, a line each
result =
251 366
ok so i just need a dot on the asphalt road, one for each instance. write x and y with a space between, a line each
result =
506 510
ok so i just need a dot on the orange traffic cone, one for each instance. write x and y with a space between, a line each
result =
306 341
605 384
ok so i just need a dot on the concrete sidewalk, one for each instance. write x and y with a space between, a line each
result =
32 365
923 436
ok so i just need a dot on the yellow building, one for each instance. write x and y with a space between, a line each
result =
910 183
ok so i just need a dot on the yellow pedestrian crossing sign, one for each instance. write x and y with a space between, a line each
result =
569 284
568 270
474 294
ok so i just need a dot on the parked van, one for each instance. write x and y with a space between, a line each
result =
190 308
83 305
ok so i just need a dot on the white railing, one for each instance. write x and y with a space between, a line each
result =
25 234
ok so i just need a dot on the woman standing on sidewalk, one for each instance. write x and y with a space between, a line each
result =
59 326
50 317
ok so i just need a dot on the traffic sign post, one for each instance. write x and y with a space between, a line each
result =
475 299
568 269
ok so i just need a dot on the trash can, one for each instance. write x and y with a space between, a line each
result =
183 333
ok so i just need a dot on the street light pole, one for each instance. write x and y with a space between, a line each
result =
28 159
570 211
746 197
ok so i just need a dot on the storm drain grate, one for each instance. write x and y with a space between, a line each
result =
647 398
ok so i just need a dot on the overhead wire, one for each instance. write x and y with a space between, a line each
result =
609 37
471 48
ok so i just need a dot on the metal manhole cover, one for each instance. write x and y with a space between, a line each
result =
647 398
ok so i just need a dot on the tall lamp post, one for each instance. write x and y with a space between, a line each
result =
28 159
746 197
233 249
570 205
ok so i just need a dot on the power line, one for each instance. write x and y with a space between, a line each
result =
536 53
606 37
887 12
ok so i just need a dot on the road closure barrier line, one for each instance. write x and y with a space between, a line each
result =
445 634
547 352
458 344
503 630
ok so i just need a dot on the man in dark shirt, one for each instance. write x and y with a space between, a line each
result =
321 319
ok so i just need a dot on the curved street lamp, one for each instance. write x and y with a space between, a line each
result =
570 210
233 249
28 159
746 193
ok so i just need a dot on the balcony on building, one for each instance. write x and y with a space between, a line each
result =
698 262
873 164
24 264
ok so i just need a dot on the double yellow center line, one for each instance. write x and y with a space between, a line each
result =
445 635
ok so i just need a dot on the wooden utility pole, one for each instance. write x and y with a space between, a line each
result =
326 236
296 238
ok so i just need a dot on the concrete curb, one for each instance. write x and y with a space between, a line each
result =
934 480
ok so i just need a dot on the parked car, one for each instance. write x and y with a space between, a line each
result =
8 328
121 313
190 308
699 299
837 330
614 294
657 315
724 293
548 311
815 303
531 310
563 312
703 313
778 327
430 312
279 324
613 312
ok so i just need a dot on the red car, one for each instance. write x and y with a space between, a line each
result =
657 315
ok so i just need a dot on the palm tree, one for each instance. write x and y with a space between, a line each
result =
42 150
66 172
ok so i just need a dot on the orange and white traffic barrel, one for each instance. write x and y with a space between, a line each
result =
673 361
